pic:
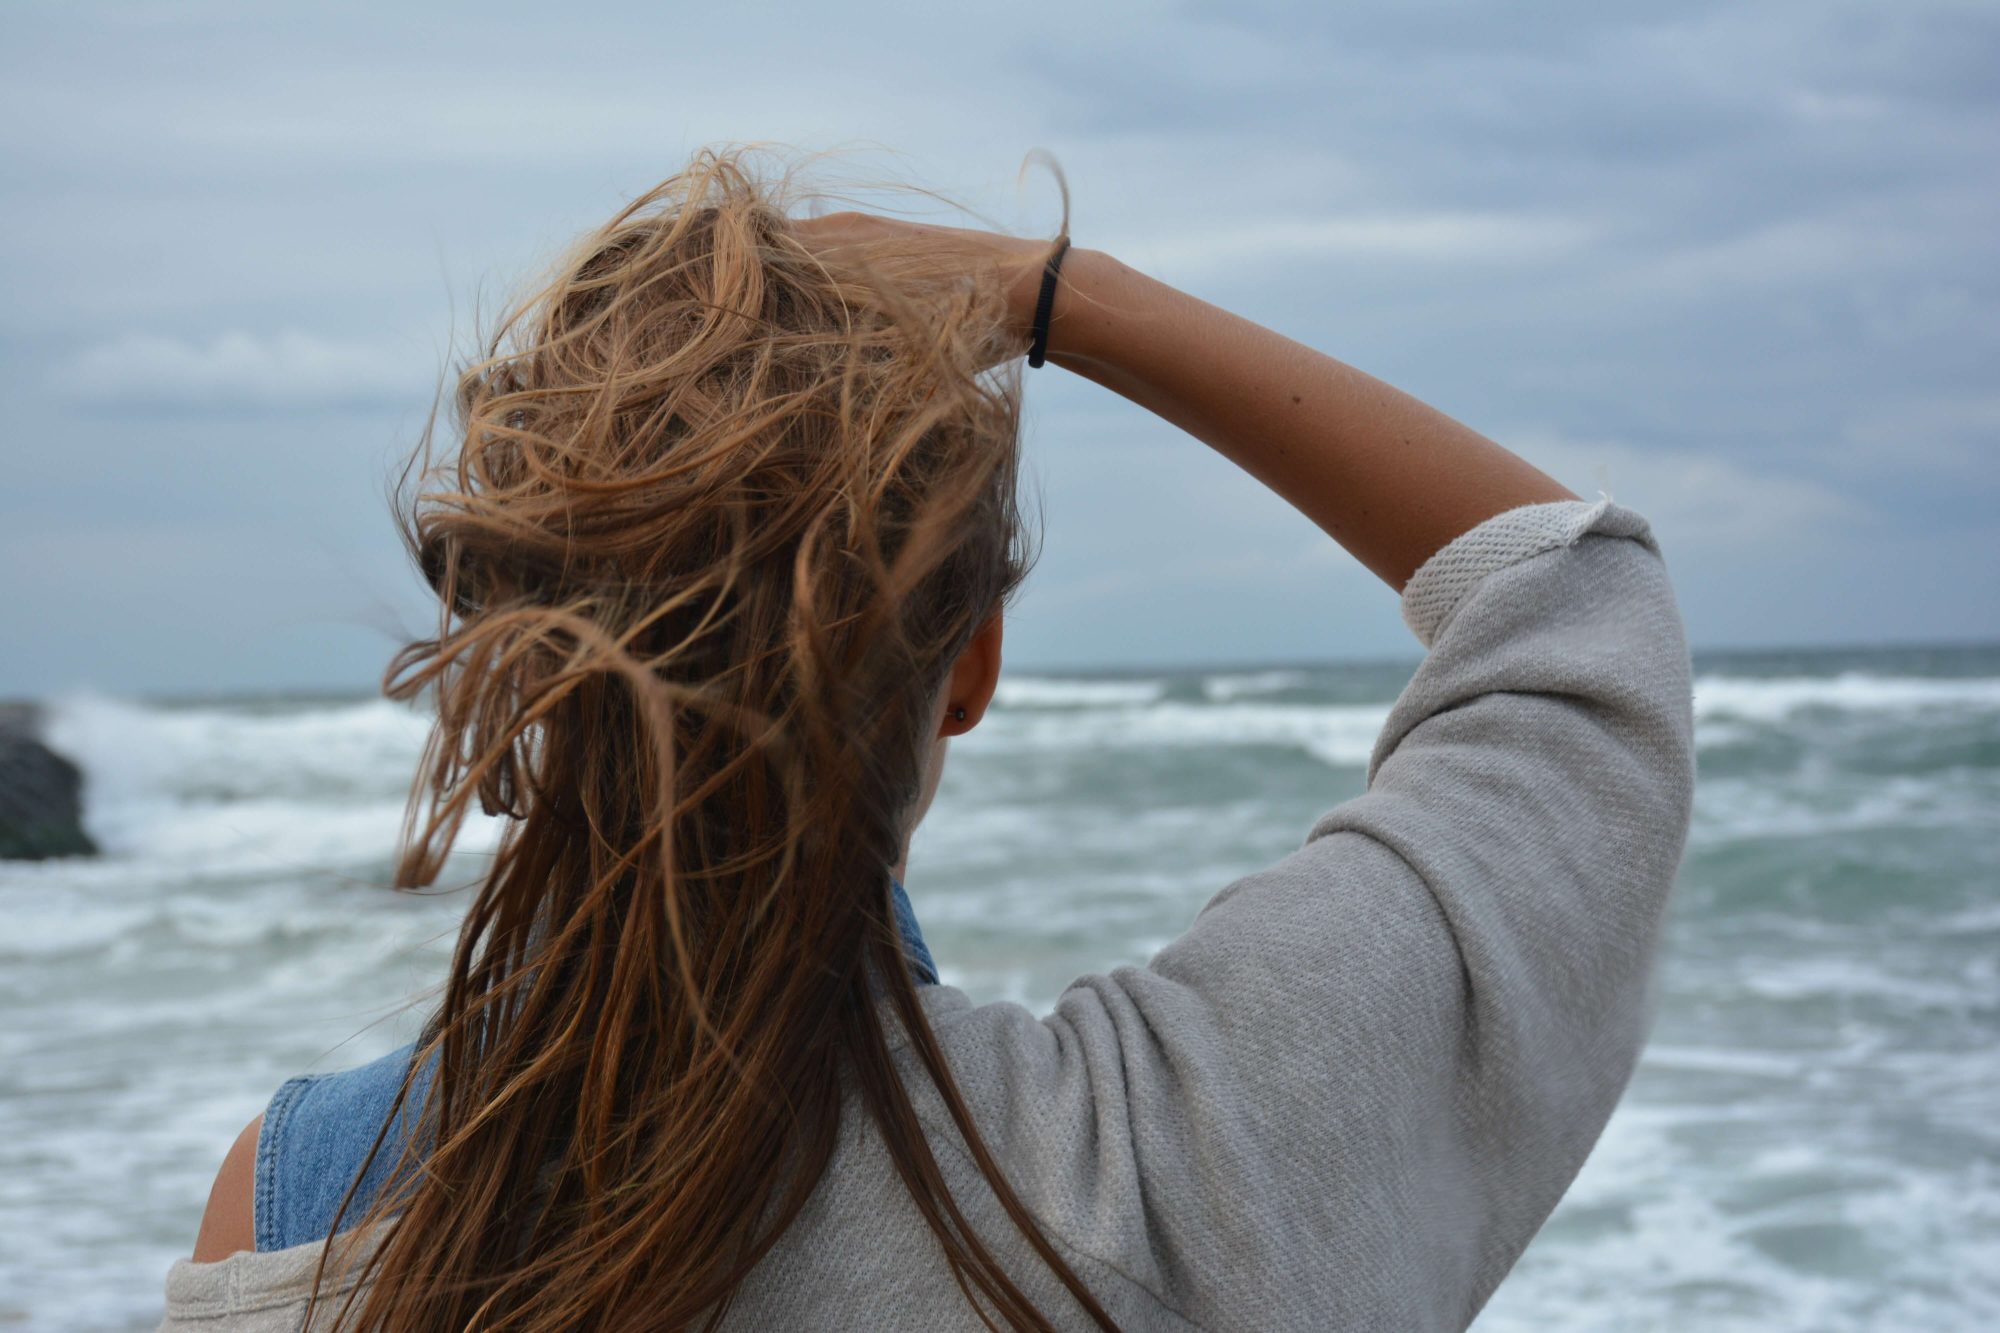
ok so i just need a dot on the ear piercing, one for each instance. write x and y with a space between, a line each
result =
958 714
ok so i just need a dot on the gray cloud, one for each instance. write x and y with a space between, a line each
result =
283 370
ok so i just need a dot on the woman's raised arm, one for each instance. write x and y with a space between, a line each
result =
1386 476
1383 474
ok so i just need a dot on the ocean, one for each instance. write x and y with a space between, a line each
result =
1812 1141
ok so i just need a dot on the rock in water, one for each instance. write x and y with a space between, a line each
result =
41 794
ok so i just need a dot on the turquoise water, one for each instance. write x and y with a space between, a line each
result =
1812 1142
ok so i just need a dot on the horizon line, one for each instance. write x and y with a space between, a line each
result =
1181 667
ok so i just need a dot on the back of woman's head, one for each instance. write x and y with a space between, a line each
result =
719 518
705 477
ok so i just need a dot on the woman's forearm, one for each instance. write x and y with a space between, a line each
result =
1386 476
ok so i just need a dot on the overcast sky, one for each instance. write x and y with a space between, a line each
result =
1735 264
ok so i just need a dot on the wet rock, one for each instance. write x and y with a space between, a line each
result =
41 793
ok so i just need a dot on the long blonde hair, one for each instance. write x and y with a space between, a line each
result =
719 519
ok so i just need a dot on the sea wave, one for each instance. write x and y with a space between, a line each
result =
1227 688
233 789
1026 692
1817 803
1772 699
1338 734
152 767
226 752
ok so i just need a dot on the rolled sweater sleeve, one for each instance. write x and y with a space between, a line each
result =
1350 1094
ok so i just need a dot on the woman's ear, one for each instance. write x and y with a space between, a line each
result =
974 677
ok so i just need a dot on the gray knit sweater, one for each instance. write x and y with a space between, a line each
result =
1350 1093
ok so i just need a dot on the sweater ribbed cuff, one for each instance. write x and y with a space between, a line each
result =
1444 581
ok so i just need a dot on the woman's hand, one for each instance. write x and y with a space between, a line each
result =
1014 260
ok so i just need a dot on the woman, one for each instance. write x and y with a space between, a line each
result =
722 552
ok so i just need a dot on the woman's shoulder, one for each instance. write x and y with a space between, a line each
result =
319 1140
228 1225
287 1175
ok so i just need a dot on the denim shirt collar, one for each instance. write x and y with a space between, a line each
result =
922 968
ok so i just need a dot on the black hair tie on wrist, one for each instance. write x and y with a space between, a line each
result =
1038 345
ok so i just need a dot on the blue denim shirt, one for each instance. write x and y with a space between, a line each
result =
319 1127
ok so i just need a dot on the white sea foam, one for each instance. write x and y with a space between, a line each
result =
1670 1226
44 919
365 748
1721 1060
1814 804
1847 979
1341 735
1225 688
237 789
1055 692
1710 734
1776 698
